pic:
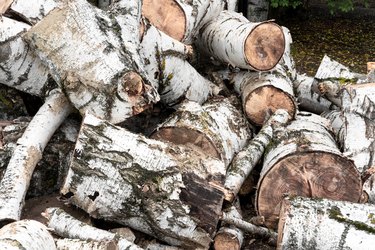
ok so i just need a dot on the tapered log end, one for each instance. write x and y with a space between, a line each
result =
264 46
225 241
264 101
167 16
309 174
189 137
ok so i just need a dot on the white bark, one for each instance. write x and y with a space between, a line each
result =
262 94
70 244
157 188
245 161
222 125
326 224
286 65
34 11
19 67
27 154
304 160
168 70
359 98
232 5
65 225
26 234
88 59
232 39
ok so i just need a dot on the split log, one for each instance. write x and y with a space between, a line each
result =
218 128
229 236
181 19
305 160
169 71
245 161
232 39
87 57
263 94
65 225
325 224
51 170
27 154
26 234
158 188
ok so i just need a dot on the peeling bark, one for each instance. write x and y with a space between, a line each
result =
28 153
157 188
26 234
305 160
232 39
90 61
218 128
325 224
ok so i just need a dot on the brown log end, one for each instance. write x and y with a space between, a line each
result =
264 46
187 137
370 66
225 241
4 6
264 101
309 174
167 16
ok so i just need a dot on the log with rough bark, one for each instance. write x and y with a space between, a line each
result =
158 188
181 19
304 160
65 225
263 94
27 154
26 234
233 40
325 224
218 128
245 161
229 236
166 65
51 170
96 68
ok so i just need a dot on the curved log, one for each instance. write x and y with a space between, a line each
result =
305 160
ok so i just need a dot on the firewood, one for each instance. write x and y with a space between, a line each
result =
65 225
304 160
325 224
229 236
232 39
88 59
218 128
180 19
158 188
245 161
68 244
28 152
26 234
51 170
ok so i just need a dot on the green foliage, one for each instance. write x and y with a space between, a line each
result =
333 5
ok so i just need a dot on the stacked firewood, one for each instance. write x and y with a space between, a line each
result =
235 103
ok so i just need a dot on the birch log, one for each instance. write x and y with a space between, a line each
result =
26 234
161 189
232 39
305 160
169 71
88 59
245 161
65 225
51 170
27 154
181 19
69 244
218 128
325 224
263 94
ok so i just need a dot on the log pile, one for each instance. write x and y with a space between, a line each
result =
221 107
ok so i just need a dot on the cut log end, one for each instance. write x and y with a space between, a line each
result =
265 46
309 174
167 16
264 101
224 241
132 84
186 136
